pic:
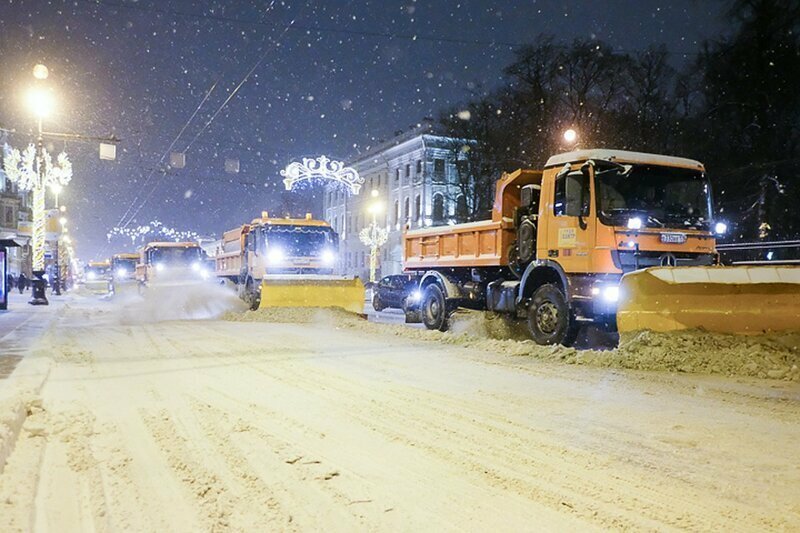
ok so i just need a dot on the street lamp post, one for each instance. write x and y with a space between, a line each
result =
40 102
33 170
374 236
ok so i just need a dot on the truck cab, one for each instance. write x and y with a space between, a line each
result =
560 240
171 263
97 277
123 269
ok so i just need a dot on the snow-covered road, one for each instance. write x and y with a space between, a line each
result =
144 424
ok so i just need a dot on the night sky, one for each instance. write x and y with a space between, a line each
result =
335 77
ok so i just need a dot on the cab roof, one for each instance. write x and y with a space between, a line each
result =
126 255
623 156
105 263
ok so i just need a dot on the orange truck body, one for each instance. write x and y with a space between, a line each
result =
579 252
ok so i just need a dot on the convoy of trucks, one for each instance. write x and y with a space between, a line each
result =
624 240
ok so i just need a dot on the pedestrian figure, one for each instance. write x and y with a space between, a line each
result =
22 282
10 282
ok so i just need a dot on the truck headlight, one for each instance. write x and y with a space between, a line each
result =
328 258
160 267
611 293
635 223
415 296
275 255
91 276
121 272
720 228
196 267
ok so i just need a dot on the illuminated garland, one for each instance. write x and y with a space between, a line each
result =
31 174
154 229
321 168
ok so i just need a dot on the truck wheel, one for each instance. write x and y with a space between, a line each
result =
550 320
435 314
376 303
250 295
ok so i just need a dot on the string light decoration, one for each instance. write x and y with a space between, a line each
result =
36 174
154 230
373 236
321 168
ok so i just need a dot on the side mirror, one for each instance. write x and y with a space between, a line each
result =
577 189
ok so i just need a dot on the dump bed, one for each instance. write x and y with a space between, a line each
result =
484 243
475 244
229 261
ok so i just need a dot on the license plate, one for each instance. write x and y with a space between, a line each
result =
673 238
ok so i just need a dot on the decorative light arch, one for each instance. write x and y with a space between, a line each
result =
321 168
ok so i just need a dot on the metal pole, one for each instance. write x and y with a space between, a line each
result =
38 284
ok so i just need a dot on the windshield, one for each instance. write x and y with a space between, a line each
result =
128 265
181 255
661 197
300 241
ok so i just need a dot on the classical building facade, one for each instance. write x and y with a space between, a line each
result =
412 177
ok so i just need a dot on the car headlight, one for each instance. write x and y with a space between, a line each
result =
328 257
720 228
160 267
275 255
205 274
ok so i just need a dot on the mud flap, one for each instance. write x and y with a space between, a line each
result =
347 294
746 300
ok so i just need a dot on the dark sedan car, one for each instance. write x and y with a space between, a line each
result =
400 291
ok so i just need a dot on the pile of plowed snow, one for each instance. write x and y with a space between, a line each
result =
773 356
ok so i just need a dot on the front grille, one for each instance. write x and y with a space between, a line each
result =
628 261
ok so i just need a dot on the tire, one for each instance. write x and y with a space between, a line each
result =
376 303
550 320
250 295
435 310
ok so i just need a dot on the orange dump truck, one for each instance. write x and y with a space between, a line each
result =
560 240
287 262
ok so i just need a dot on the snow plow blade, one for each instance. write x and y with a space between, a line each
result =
745 300
345 293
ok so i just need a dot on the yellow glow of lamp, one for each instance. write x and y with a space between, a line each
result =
40 102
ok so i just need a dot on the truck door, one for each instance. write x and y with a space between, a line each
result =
570 233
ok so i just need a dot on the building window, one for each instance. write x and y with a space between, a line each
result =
396 212
417 208
397 176
419 166
407 210
408 170
438 208
461 208
438 166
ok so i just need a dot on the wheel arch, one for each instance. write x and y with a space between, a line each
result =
449 287
539 273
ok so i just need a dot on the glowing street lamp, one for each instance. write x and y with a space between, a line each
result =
56 189
374 236
40 102
570 136
40 72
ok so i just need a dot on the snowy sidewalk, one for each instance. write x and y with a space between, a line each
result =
21 325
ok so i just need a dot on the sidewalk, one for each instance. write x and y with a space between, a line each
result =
20 326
